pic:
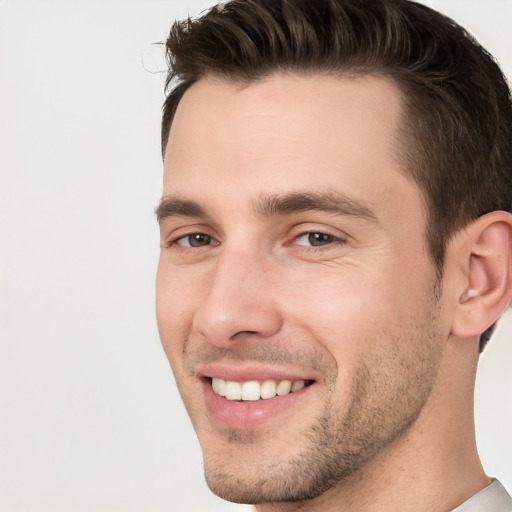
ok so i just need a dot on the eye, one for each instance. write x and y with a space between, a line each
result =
195 240
315 239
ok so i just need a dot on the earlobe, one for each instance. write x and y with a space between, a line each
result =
486 253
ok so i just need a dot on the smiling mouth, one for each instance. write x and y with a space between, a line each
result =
254 390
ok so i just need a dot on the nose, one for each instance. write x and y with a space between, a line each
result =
239 302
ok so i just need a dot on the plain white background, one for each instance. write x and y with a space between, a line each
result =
90 419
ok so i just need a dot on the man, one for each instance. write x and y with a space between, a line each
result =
336 248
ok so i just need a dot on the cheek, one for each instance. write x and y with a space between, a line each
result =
337 302
353 314
176 300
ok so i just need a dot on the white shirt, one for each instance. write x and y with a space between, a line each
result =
493 498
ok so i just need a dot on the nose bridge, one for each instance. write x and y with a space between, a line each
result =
238 300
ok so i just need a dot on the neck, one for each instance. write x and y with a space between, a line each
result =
434 466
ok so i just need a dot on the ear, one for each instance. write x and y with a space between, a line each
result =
484 256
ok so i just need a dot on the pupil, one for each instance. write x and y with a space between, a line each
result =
317 239
199 240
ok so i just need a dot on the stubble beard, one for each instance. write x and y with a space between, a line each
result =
387 396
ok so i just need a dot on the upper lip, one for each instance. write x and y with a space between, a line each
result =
245 373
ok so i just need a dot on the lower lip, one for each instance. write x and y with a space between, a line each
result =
247 415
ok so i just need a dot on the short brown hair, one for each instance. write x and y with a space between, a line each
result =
456 135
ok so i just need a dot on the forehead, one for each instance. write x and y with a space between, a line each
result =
306 104
285 133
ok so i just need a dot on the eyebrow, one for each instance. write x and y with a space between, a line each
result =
297 202
170 206
277 204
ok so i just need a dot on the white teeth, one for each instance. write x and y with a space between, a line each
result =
253 390
222 387
283 388
268 389
297 385
219 386
233 390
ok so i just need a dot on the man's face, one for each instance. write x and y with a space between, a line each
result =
293 254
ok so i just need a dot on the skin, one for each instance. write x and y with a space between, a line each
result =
359 312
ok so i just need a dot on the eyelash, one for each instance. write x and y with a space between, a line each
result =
189 237
328 238
172 242
320 236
